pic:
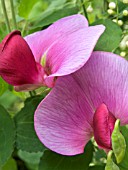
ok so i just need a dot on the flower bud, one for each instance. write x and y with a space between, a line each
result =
120 22
115 20
126 44
112 5
125 1
110 11
125 12
89 9
123 54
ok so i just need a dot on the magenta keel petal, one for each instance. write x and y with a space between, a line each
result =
103 125
17 63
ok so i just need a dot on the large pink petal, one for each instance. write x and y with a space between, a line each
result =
72 52
60 120
17 64
104 79
64 119
40 41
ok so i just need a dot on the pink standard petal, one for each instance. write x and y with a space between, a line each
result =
40 41
17 64
72 52
104 80
64 119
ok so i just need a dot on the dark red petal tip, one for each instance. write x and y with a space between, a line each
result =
7 38
17 63
103 124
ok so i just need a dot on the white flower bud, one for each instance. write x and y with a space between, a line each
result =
110 11
120 22
122 45
126 44
89 9
126 26
112 5
125 1
125 12
115 20
123 54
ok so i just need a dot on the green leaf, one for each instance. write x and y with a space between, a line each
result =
3 86
33 158
25 8
54 14
11 163
7 136
96 168
124 164
52 160
111 37
26 138
118 142
110 165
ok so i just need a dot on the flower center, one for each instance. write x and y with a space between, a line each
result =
103 125
47 68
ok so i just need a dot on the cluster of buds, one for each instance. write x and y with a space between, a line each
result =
112 11
124 46
112 7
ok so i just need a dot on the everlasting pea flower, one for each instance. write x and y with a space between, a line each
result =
85 104
37 60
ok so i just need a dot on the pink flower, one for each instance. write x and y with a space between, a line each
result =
37 60
85 104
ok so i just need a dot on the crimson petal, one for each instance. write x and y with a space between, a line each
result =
17 63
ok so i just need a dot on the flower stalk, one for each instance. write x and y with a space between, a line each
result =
5 15
13 14
84 10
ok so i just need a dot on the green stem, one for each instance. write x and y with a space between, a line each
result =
5 15
117 10
24 27
105 5
84 10
13 14
30 92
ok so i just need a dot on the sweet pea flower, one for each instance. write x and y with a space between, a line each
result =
84 104
39 58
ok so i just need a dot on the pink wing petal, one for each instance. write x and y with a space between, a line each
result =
72 52
60 120
17 64
64 119
40 41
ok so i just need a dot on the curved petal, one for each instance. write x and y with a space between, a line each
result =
103 125
64 119
17 64
72 52
104 80
60 120
40 41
